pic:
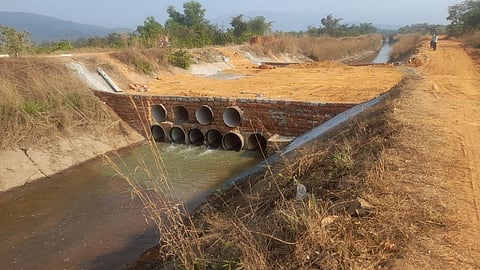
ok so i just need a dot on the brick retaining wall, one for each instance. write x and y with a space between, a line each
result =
265 116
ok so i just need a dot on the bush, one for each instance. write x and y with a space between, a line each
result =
180 58
143 65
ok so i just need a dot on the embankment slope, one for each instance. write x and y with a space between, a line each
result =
50 120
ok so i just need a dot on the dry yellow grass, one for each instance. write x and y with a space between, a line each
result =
41 98
320 48
405 46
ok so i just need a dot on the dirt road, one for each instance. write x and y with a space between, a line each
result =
442 125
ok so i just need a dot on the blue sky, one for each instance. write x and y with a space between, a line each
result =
285 13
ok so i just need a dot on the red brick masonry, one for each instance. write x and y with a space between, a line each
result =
265 116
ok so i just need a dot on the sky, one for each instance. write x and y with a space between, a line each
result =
284 13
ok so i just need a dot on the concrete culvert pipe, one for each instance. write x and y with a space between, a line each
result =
204 115
158 133
214 138
196 137
180 114
232 116
256 142
159 113
177 135
232 141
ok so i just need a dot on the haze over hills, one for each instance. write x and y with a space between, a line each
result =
45 28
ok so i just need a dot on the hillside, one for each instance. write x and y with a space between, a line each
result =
45 28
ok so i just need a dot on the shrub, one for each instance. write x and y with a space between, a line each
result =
143 65
180 58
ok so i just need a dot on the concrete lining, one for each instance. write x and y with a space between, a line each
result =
196 137
204 115
214 138
256 142
159 113
232 116
232 141
158 133
180 114
177 134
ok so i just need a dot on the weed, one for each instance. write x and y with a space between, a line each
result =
342 162
33 107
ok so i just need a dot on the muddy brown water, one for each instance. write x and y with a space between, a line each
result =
85 217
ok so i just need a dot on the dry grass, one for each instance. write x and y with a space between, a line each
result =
144 61
472 39
321 48
260 224
41 99
405 45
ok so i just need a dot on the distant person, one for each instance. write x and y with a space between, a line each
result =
164 43
433 42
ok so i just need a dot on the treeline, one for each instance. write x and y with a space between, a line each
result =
423 28
464 17
185 29
331 26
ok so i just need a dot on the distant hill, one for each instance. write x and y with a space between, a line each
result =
45 28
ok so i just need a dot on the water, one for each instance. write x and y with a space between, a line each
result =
384 54
85 217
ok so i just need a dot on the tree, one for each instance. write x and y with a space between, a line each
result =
14 42
240 27
259 26
464 17
194 14
331 25
243 30
189 29
150 32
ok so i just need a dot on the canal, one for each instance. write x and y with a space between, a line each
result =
86 217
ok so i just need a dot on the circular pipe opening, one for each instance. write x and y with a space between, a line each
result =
196 137
232 141
158 133
180 114
256 142
177 135
232 116
159 113
214 138
204 115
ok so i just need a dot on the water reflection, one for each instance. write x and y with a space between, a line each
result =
384 54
